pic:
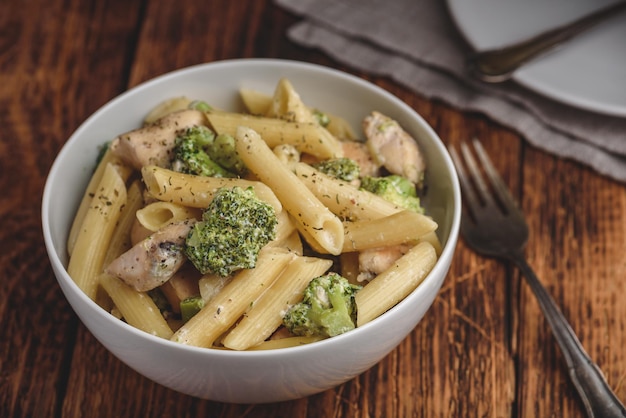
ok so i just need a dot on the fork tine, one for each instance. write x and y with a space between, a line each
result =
501 190
477 177
468 191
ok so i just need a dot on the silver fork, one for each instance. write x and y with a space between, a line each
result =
493 225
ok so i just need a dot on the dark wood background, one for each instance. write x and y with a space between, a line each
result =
482 350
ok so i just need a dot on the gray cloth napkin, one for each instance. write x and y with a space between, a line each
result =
416 43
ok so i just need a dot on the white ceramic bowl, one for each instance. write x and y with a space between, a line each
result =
258 376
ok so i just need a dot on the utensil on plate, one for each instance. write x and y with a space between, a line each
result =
493 225
498 65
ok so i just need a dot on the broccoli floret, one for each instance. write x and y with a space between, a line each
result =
341 168
200 105
190 306
199 151
190 156
327 308
233 229
222 150
396 189
321 117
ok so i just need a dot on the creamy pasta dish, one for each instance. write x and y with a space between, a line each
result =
269 228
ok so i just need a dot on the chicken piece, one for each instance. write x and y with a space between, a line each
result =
360 153
153 144
392 147
153 261
374 261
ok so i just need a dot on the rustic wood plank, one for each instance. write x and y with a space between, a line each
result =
482 373
576 232
174 37
52 78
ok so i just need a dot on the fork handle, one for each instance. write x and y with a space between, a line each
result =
498 65
599 399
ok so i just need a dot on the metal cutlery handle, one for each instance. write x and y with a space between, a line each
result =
597 396
498 65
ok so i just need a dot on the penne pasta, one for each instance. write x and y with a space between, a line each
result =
433 240
285 343
94 235
310 138
287 154
287 235
341 197
285 227
340 128
121 241
308 212
286 104
394 284
211 284
137 308
225 308
311 241
256 103
292 243
197 191
166 107
266 314
400 228
159 214
121 238
123 170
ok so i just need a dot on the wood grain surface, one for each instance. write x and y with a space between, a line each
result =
482 350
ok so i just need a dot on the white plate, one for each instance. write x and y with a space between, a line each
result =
588 72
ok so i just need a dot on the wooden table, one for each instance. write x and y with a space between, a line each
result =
483 349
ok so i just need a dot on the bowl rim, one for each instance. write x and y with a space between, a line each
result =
446 253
